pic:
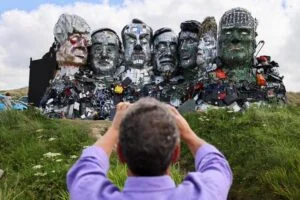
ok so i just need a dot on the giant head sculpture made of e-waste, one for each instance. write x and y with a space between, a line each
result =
236 42
105 52
136 38
208 41
72 36
165 43
188 42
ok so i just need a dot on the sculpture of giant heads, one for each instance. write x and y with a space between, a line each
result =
188 43
165 43
105 51
136 39
72 35
236 42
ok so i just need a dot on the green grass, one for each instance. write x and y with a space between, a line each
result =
262 146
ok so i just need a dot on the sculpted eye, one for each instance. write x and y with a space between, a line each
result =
228 33
73 40
161 46
131 40
144 41
244 33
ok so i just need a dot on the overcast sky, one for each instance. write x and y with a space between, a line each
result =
26 27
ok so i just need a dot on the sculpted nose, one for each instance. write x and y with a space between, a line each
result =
184 45
235 37
168 50
104 52
81 42
235 41
138 47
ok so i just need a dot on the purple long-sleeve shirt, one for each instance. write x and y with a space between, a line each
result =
212 180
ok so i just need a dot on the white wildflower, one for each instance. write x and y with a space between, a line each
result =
53 171
39 130
58 160
40 174
51 139
73 156
51 155
37 167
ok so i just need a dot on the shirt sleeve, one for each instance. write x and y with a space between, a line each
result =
213 176
87 177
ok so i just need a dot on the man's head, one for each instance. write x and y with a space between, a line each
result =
71 34
105 51
136 39
165 43
148 138
237 37
188 43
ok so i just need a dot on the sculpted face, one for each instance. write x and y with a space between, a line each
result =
105 52
73 52
237 45
165 53
237 38
188 47
137 46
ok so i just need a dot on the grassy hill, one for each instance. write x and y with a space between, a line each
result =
16 93
262 146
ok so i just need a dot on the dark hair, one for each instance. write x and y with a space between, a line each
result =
135 21
161 31
191 25
148 136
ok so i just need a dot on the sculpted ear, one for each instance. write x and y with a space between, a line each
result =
176 154
120 154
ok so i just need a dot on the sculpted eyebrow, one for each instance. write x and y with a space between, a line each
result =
131 35
144 35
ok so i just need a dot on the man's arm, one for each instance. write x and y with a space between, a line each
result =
213 176
186 133
110 138
87 178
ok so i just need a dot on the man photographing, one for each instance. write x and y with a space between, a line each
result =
147 133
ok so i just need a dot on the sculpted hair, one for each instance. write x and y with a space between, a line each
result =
135 21
192 26
148 136
112 31
161 31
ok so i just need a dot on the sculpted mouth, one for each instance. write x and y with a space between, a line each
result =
235 49
167 61
138 59
105 61
185 57
80 53
79 56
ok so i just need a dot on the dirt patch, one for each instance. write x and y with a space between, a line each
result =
97 127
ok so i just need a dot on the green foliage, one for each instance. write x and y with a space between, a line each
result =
262 146
25 139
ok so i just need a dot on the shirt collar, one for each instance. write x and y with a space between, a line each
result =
153 183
